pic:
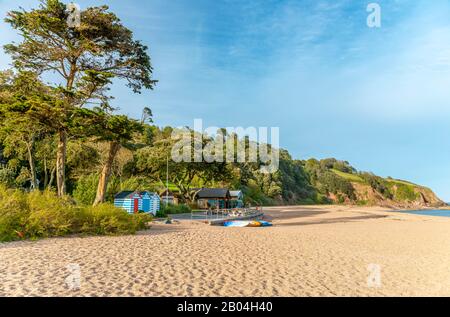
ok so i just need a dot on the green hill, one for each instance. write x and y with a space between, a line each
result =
144 167
342 183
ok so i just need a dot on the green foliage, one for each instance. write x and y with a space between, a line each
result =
323 177
101 50
173 210
343 175
185 174
7 177
83 62
342 166
293 180
253 195
86 189
378 184
42 215
13 214
405 193
350 177
105 219
331 183
132 183
50 216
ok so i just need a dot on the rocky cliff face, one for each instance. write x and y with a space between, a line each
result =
418 198
343 184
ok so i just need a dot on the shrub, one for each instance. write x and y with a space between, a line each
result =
329 182
307 201
86 189
106 219
43 215
50 216
13 214
378 184
405 193
363 203
173 210
160 214
7 177
142 221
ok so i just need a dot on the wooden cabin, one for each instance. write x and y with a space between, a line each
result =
214 198
138 201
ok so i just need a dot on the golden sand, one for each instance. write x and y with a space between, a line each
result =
311 251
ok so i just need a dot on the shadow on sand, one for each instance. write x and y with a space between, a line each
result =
287 215
331 221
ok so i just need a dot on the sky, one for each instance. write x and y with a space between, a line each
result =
376 97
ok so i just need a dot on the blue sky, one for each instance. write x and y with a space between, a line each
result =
379 98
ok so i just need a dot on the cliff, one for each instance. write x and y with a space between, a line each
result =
341 183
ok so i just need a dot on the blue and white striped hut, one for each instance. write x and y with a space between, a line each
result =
134 202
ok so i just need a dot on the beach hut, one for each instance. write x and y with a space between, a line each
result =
134 202
237 199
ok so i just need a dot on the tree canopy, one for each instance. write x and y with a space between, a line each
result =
85 58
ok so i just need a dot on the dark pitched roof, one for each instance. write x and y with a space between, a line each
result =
123 195
129 194
205 193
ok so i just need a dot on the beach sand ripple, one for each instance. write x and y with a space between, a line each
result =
311 251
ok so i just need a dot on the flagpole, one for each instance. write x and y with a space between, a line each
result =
167 182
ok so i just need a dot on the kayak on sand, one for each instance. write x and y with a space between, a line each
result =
246 224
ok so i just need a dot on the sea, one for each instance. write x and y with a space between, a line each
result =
435 213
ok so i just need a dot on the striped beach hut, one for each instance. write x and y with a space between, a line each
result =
136 201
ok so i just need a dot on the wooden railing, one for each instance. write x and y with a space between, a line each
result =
233 213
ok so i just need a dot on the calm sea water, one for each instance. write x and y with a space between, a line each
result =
437 213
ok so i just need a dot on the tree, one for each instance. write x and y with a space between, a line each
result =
45 154
186 175
20 131
118 131
86 58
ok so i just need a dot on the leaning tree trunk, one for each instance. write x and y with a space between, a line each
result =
114 147
52 178
34 182
61 163
45 173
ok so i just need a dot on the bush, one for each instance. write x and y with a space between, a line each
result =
7 177
50 216
43 215
329 182
13 214
378 184
142 221
173 210
405 193
86 189
106 219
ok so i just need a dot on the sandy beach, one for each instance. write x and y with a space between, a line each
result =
311 251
